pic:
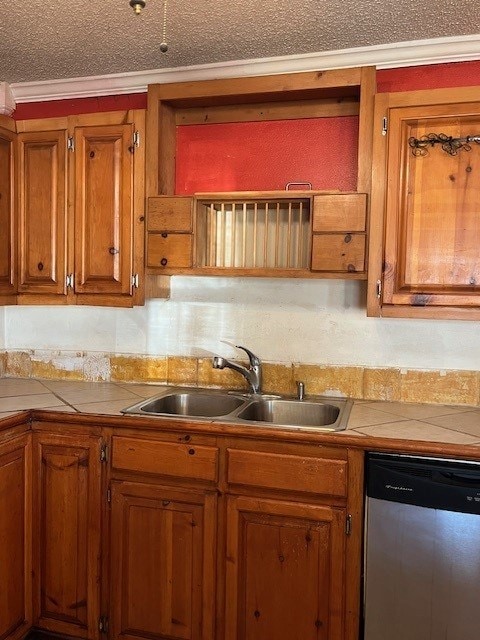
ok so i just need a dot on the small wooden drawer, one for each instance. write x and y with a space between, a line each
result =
169 213
287 472
165 458
344 252
169 250
342 212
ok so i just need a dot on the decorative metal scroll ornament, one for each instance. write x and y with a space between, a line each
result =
449 144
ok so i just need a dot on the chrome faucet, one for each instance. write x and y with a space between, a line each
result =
253 375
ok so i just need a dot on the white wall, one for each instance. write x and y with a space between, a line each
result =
309 321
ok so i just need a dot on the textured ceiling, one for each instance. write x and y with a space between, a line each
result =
47 39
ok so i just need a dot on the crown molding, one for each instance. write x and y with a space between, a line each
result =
388 56
7 102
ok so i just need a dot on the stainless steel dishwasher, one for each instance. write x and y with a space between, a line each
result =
422 549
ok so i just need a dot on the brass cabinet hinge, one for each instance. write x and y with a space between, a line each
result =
109 495
136 139
69 281
348 525
135 280
384 126
378 285
70 143
103 624
104 453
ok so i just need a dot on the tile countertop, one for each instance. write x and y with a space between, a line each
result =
459 425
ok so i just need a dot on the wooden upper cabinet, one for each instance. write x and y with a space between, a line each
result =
426 207
82 209
7 210
103 209
15 537
42 220
67 515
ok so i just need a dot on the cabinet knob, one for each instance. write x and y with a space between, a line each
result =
40 266
164 235
163 262
191 452
113 251
348 238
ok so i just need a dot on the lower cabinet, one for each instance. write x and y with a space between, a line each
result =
163 562
177 536
66 542
15 538
284 570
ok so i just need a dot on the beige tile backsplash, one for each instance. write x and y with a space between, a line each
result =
391 384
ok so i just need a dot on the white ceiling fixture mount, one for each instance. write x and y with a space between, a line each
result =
138 5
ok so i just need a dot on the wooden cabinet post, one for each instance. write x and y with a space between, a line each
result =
8 242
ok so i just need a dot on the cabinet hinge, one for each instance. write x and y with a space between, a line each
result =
109 495
136 139
378 286
70 143
69 281
135 280
348 525
384 126
104 453
103 624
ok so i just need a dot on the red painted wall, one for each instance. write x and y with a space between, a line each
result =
59 108
267 155
260 156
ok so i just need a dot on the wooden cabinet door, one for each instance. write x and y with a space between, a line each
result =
15 538
426 212
42 212
67 516
162 562
7 215
104 209
284 570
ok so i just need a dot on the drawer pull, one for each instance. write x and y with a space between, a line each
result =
348 238
191 452
165 503
164 235
163 262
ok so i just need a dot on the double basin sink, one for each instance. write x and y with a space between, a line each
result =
318 412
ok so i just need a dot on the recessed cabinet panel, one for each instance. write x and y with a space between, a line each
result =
67 542
7 220
42 211
15 536
162 562
104 216
284 570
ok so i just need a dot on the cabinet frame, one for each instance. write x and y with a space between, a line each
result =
8 280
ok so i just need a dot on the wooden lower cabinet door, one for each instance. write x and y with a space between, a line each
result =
284 570
163 558
67 513
15 538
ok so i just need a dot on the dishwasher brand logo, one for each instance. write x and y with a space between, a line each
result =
397 488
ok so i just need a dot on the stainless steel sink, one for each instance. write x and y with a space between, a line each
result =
291 412
207 405
318 412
